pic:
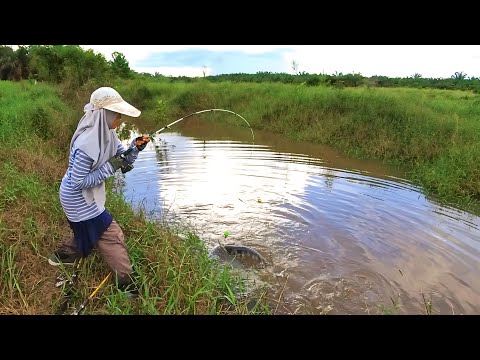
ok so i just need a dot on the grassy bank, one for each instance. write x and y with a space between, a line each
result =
433 133
174 272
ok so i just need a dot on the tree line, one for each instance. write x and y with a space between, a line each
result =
76 66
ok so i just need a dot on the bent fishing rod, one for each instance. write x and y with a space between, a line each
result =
129 150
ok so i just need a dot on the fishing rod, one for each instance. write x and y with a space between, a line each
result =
84 304
133 146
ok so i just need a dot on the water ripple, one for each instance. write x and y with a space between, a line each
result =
353 236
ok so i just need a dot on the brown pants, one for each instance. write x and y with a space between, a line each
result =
112 247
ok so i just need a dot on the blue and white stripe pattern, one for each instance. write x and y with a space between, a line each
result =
79 176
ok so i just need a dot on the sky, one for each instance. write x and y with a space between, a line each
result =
430 61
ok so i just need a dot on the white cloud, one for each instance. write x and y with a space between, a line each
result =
388 60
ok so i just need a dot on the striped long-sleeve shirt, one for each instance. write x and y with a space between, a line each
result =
79 176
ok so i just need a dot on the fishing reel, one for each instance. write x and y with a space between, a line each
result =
140 143
126 168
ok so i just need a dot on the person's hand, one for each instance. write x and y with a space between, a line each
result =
127 168
141 142
117 162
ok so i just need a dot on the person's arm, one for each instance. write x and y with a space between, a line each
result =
130 158
82 177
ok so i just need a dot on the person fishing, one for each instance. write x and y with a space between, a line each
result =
95 155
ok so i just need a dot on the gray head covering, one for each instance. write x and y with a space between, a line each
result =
94 136
98 141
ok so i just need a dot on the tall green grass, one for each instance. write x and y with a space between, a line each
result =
175 276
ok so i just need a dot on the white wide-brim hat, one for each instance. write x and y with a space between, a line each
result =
109 98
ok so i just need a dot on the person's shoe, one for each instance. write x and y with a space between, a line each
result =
129 288
59 258
131 291
132 294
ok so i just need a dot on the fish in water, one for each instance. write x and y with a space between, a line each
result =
244 251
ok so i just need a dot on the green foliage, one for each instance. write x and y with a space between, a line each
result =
161 111
120 65
28 111
13 64
198 99
70 64
141 94
40 123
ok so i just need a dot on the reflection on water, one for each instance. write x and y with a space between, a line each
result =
341 236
